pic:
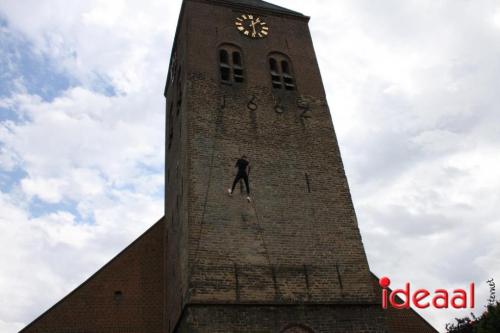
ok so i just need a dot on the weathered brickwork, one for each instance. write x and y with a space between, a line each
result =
298 241
279 319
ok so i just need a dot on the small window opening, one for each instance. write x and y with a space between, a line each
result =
179 99
308 184
179 73
118 295
179 91
170 125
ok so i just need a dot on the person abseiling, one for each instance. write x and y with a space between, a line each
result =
243 165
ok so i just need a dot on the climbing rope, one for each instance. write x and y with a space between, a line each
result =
259 229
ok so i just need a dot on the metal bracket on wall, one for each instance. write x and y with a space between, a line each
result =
277 106
251 105
223 101
305 107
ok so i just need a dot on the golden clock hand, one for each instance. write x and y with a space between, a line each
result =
253 27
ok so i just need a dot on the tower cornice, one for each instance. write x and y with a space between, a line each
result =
257 5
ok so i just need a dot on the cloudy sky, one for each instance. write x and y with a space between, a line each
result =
413 87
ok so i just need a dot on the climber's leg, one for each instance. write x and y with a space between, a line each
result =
236 179
245 178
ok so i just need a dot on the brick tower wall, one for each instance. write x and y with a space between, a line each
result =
298 241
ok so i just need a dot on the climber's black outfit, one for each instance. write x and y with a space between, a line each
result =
241 164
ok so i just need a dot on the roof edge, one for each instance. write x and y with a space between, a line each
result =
277 10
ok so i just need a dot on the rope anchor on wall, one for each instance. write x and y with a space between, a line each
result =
278 107
251 105
305 107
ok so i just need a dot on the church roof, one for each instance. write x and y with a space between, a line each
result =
259 4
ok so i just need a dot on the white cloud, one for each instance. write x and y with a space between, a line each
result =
45 257
92 163
495 18
48 190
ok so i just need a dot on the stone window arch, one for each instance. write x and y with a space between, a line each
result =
280 68
231 69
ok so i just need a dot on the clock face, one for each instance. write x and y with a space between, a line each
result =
251 26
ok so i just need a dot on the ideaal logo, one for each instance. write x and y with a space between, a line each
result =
422 298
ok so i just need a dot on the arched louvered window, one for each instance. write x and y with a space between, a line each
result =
236 58
231 64
281 72
275 74
285 69
237 67
274 65
223 58
225 68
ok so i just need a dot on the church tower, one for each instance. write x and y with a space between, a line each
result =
244 80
